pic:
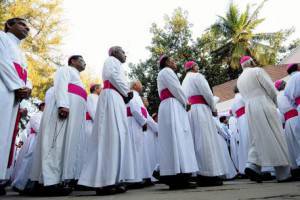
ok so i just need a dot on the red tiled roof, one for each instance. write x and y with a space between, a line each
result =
225 90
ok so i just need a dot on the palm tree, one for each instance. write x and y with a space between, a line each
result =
235 37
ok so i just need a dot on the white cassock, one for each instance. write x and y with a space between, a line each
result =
291 119
208 152
24 161
223 137
91 106
49 94
58 150
150 147
175 139
136 119
268 146
13 76
234 140
109 159
238 111
292 90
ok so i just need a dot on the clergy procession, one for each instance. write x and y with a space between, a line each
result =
108 142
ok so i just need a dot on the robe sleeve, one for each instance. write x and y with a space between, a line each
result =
92 105
61 82
202 85
8 73
118 77
136 111
267 84
172 82
292 90
152 124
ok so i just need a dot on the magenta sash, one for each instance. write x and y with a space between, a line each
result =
143 111
165 94
297 100
197 99
75 89
240 112
290 114
32 131
88 116
22 72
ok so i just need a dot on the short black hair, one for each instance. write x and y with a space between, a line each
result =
94 87
292 68
163 61
223 118
236 89
74 57
41 104
11 22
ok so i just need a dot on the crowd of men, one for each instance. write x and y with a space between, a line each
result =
108 142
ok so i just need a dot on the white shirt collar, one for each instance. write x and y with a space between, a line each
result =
14 38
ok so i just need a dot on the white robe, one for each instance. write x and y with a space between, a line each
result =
91 105
175 140
234 141
135 123
10 53
230 171
268 146
109 158
58 151
24 161
208 152
291 134
150 147
243 131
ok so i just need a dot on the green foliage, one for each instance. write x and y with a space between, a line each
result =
42 46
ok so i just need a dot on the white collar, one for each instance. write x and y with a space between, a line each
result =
14 38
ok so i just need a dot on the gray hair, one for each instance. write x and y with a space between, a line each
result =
133 82
113 50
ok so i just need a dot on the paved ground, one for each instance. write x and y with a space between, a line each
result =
240 189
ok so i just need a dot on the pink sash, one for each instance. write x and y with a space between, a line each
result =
240 112
197 99
88 116
290 114
108 85
75 89
22 72
165 94
32 131
297 100
143 111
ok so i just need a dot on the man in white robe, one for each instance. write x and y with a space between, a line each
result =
150 147
57 156
24 161
91 105
291 119
268 146
208 152
137 127
13 78
238 111
177 159
109 160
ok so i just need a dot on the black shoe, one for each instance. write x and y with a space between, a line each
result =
156 175
204 181
121 189
2 191
56 190
295 172
148 183
267 176
133 186
253 175
183 186
107 190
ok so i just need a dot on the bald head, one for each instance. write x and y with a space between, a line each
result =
118 53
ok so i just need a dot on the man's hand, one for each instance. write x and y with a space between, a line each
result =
63 113
22 93
145 127
128 98
188 107
215 113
